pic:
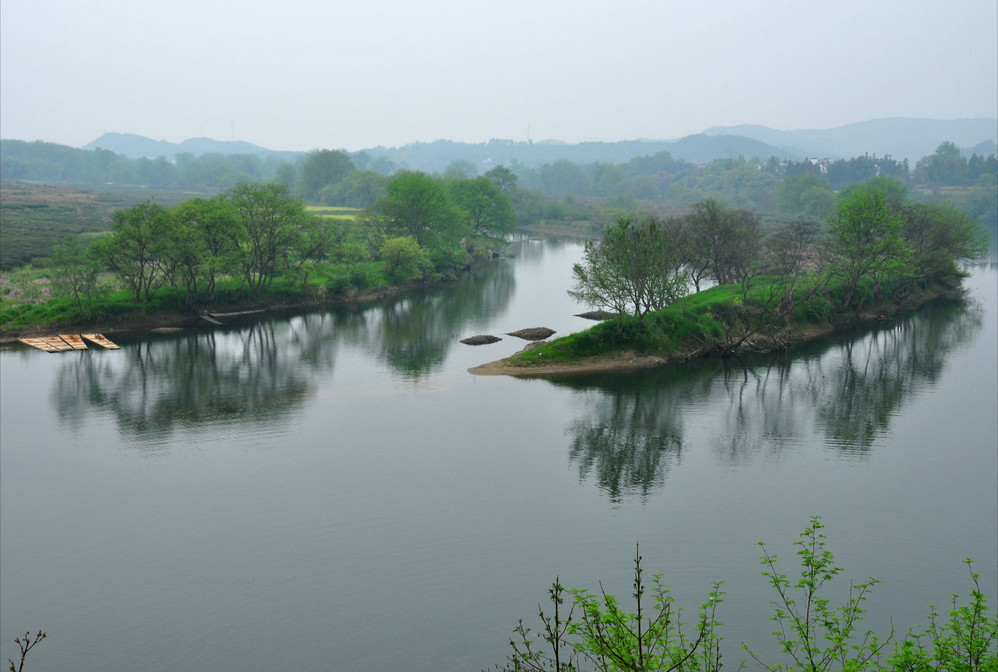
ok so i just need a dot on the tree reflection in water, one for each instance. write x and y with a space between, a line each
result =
413 334
630 433
153 386
263 371
631 430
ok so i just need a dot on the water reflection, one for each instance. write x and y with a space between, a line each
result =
413 334
262 372
873 376
630 431
155 385
532 252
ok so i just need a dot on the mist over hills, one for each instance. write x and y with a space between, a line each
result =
438 154
138 146
899 137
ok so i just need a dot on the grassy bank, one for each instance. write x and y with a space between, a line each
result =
115 309
718 321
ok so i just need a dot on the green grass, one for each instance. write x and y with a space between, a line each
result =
705 322
34 218
690 322
327 281
334 212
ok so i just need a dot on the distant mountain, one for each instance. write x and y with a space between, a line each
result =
902 138
986 148
138 146
437 155
898 137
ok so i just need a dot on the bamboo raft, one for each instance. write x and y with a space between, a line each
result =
57 344
100 340
66 342
40 343
74 341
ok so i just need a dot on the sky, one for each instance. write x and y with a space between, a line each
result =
352 74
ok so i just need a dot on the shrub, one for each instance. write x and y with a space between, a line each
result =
814 635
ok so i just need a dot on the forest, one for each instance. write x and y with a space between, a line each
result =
714 282
584 196
209 230
258 244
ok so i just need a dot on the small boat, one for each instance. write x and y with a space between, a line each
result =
100 340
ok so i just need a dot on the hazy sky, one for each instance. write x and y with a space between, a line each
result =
349 74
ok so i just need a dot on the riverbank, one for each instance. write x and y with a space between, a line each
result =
626 359
137 323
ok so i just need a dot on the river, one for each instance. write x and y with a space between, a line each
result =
334 491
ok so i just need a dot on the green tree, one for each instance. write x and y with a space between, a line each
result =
134 249
272 219
503 178
321 169
404 259
359 189
634 269
419 206
75 273
817 202
893 188
945 167
460 169
155 173
940 237
489 212
796 263
606 178
720 243
286 174
867 240
205 246
564 177
790 195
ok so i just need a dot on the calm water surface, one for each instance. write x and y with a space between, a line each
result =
335 492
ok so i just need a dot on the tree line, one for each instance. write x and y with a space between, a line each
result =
877 247
340 178
260 239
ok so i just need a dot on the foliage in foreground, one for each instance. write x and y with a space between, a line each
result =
25 644
813 634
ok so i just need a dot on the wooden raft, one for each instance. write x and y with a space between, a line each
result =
100 340
57 343
64 342
74 341
40 343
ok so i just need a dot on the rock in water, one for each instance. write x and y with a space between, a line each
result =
532 334
481 339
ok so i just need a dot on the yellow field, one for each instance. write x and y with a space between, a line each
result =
333 212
